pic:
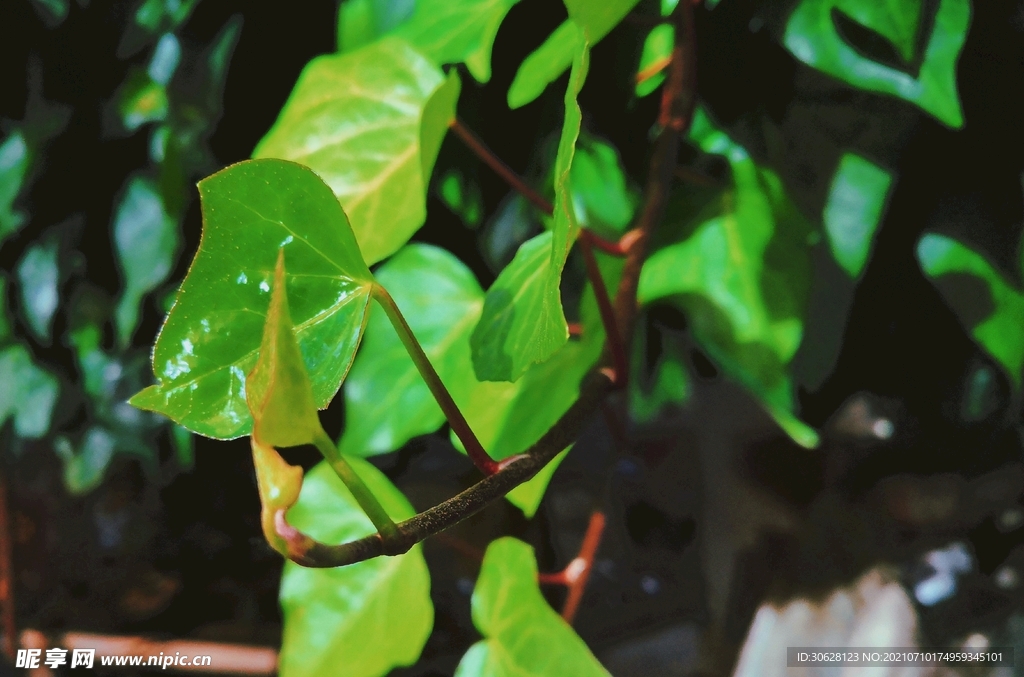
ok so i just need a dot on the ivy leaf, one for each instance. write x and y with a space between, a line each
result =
278 392
360 22
657 51
39 276
84 469
668 383
812 36
742 276
366 618
387 403
522 320
601 196
28 394
370 123
547 63
1001 334
854 210
146 240
15 159
211 336
522 633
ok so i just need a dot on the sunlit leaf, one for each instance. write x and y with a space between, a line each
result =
522 633
278 390
1001 334
38 277
545 64
657 49
279 485
28 393
386 400
813 37
742 276
854 210
522 320
601 195
15 158
370 123
210 339
85 467
360 22
146 241
360 620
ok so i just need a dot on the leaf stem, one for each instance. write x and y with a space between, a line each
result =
481 459
364 497
480 149
576 574
604 306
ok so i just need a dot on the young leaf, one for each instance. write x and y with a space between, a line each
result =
15 159
279 485
278 392
387 403
370 122
363 619
1001 334
742 276
854 210
457 31
522 321
522 633
38 276
210 338
545 64
28 393
812 36
146 239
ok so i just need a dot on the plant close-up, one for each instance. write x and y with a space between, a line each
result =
512 337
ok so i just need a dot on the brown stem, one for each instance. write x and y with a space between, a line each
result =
652 70
481 150
7 619
604 306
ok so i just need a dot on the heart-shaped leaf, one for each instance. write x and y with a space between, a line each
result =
522 321
1001 334
742 276
812 36
370 123
210 339
854 210
360 620
522 633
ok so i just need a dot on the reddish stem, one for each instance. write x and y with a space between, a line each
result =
653 69
481 150
576 574
575 329
618 248
7 620
604 305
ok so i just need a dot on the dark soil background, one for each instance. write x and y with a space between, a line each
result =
183 556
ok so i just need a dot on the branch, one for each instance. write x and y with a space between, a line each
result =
677 104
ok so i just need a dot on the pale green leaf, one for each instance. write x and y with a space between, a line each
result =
146 240
28 393
854 210
210 339
38 276
360 620
602 198
522 634
812 36
370 123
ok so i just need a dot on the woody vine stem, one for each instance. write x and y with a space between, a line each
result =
676 110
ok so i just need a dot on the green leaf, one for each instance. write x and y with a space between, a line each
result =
363 619
28 394
601 197
742 276
15 159
854 210
522 320
1001 334
669 384
210 338
84 469
387 403
370 123
658 46
52 12
457 31
812 36
522 633
157 15
5 320
38 276
141 100
278 391
146 240
360 22
462 196
545 64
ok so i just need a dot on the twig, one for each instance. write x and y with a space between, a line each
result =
7 618
604 306
577 572
652 70
481 150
